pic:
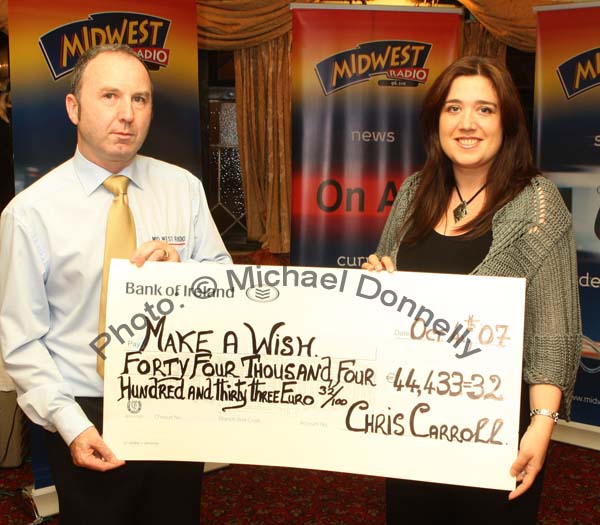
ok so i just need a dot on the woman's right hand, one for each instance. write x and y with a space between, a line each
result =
375 264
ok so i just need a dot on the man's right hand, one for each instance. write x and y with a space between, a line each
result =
89 450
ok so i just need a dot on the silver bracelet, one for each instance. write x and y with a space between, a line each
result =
544 412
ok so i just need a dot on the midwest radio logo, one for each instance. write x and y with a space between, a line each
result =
580 73
146 34
401 62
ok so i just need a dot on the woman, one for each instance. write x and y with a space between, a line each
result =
480 207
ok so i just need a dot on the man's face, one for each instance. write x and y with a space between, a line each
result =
112 111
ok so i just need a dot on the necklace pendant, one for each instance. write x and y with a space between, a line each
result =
460 211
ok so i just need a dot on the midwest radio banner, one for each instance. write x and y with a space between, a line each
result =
46 39
567 105
359 76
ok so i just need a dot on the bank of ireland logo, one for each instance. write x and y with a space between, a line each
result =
145 34
262 294
134 406
401 62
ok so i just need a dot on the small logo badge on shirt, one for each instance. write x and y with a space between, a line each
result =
173 240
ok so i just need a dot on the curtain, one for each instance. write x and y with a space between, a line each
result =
259 32
263 99
513 22
235 24
477 40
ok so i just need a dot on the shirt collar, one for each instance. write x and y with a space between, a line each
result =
91 176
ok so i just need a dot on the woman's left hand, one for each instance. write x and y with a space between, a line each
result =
532 454
375 264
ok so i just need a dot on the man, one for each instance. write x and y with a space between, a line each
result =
52 238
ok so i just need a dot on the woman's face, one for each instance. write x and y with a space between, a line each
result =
470 127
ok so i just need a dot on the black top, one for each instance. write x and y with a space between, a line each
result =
437 253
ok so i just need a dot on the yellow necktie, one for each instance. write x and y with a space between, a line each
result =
120 242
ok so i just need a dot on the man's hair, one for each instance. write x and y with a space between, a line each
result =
92 53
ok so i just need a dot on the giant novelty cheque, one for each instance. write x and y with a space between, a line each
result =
409 375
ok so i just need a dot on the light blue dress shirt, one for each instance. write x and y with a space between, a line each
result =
51 252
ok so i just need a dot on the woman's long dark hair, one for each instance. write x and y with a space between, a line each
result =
509 173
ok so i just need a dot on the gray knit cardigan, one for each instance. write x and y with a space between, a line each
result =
532 238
